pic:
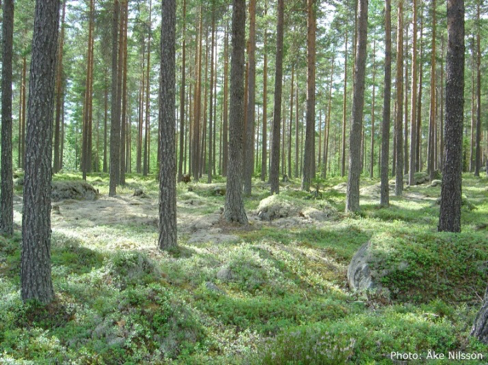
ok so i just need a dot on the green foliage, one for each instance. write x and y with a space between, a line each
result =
276 296
310 345
434 262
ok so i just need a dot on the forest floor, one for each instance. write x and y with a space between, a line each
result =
273 292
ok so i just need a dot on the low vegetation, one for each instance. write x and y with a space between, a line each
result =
271 296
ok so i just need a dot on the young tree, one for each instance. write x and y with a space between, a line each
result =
450 211
234 205
385 132
352 199
167 96
35 271
274 172
7 186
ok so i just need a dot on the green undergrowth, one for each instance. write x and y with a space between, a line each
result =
275 296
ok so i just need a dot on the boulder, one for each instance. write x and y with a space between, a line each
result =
78 190
362 273
274 207
328 213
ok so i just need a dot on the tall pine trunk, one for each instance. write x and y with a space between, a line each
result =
234 205
352 198
308 161
385 127
35 270
167 96
7 187
450 211
274 172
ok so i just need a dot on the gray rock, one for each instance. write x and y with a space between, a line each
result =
360 274
224 274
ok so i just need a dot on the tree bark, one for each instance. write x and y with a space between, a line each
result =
7 186
234 205
167 96
352 198
35 271
275 143
450 210
385 131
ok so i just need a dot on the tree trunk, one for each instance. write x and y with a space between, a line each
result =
385 131
352 199
59 89
225 141
211 121
197 104
309 160
234 205
371 167
275 143
477 164
114 117
251 91
344 98
182 96
413 110
123 119
7 186
147 126
35 271
418 155
405 104
399 105
264 153
167 96
433 109
450 211
327 127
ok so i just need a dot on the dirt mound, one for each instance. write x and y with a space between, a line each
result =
77 190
